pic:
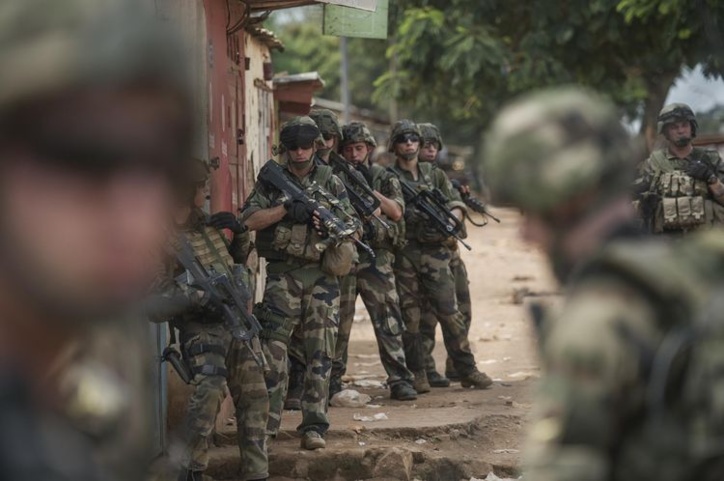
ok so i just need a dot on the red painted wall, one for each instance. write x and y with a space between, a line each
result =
225 87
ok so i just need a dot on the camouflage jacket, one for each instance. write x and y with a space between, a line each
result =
617 402
173 297
674 201
429 177
273 243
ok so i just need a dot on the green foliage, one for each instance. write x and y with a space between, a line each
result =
306 49
459 60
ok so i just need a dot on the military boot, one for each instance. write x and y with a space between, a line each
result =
295 386
403 392
477 380
312 440
437 380
421 385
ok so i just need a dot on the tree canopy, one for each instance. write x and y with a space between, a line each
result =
454 62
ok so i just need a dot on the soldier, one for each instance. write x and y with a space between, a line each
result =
682 184
328 124
374 278
301 288
612 404
94 129
331 136
214 358
422 268
431 146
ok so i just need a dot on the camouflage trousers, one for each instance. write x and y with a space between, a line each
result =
218 362
423 275
347 300
375 282
306 298
429 321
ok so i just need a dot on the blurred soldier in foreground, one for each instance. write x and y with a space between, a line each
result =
374 278
623 397
303 264
94 124
431 146
422 267
681 186
213 358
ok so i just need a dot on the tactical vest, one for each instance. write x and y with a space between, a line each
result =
286 240
679 432
379 237
685 203
416 226
211 249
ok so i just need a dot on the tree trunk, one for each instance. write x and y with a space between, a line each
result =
658 87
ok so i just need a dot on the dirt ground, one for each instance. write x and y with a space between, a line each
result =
449 434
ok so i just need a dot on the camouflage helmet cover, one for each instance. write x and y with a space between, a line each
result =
550 146
299 131
357 132
47 47
430 133
327 122
675 113
402 127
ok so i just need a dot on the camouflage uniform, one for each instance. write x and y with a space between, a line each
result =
624 395
300 294
216 360
428 325
422 271
373 278
673 201
328 125
93 417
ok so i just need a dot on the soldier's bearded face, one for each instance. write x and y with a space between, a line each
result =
356 153
80 243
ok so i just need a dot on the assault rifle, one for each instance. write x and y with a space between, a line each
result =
273 174
474 204
229 297
432 204
361 195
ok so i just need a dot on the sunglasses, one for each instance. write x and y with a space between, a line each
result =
328 136
404 138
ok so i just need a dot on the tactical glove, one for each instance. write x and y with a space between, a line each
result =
699 171
298 211
227 220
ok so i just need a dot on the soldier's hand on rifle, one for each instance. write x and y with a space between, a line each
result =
319 225
298 211
227 220
700 171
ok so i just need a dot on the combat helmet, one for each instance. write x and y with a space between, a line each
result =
675 113
549 147
400 128
327 122
430 133
47 47
357 132
299 131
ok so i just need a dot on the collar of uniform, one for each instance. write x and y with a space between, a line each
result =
303 180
